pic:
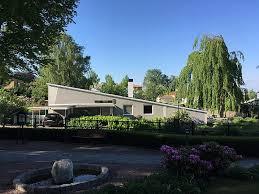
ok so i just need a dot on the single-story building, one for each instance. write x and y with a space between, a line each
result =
68 100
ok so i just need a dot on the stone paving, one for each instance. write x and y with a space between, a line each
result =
124 162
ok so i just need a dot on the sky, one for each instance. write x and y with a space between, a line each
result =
128 37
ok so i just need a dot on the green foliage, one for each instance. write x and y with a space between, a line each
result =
212 77
251 94
28 28
110 87
238 172
69 68
93 122
9 105
182 115
125 123
162 182
155 84
238 127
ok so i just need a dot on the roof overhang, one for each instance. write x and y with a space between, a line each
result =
39 108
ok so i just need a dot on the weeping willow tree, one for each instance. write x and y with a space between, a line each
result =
212 78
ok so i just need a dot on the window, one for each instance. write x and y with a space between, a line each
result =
106 101
127 109
148 109
103 101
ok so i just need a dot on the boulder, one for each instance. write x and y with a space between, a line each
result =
62 171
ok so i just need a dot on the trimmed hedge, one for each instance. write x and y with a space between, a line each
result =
173 124
244 145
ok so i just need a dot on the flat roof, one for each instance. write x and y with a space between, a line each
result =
123 97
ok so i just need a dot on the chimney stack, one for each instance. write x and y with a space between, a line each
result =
130 88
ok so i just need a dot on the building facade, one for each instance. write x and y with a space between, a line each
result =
68 100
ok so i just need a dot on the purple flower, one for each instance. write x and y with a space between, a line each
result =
176 157
203 147
206 164
195 151
194 158
169 150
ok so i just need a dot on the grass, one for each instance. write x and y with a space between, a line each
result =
232 186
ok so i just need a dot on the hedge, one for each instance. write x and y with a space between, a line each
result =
127 124
244 145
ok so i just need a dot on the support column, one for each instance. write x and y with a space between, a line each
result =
32 118
39 117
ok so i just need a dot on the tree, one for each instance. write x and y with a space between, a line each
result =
155 84
9 105
251 94
69 68
110 87
28 28
172 83
92 79
122 87
212 77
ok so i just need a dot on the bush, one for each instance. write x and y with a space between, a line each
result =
9 105
124 123
238 126
198 160
157 183
242 173
95 122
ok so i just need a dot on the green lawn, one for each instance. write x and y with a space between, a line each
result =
231 186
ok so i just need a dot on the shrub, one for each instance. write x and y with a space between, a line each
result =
198 160
9 105
162 182
242 173
125 123
95 122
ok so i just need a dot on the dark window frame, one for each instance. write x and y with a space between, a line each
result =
145 110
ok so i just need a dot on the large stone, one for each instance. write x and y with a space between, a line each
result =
62 171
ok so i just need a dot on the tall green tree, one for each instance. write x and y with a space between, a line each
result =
110 87
212 77
155 83
172 83
28 28
69 68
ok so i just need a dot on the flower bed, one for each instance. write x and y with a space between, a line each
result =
199 160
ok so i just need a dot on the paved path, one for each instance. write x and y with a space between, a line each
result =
125 162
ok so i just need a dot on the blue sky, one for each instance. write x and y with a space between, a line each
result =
130 36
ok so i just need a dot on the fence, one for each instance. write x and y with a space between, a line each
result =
172 126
